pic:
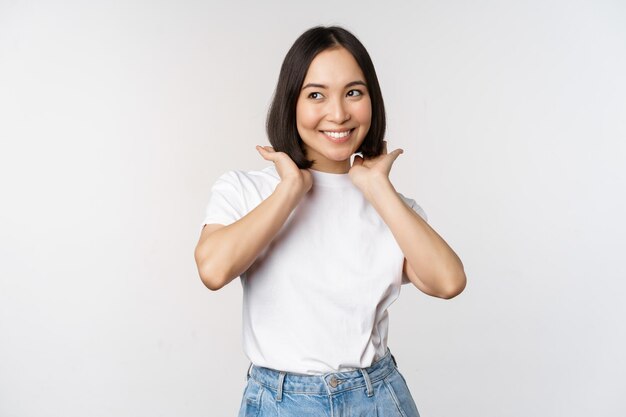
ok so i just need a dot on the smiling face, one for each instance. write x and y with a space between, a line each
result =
333 111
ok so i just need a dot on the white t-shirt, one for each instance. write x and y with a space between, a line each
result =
315 300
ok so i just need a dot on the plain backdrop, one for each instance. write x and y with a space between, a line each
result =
116 117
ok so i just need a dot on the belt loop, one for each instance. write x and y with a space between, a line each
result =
248 373
394 360
370 391
281 379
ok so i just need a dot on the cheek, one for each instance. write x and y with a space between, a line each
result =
363 113
306 117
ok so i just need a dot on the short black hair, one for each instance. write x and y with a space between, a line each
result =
281 125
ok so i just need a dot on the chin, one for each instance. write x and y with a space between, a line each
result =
339 156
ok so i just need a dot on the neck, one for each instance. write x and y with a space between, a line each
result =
335 169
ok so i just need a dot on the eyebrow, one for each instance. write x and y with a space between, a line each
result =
350 84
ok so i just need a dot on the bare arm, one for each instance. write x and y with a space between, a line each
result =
225 252
430 264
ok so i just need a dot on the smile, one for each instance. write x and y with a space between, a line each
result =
338 137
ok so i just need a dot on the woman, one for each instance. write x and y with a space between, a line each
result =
322 245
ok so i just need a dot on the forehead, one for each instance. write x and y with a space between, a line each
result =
334 66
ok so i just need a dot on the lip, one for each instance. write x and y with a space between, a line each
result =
340 140
335 130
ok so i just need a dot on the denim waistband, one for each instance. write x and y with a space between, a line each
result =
328 383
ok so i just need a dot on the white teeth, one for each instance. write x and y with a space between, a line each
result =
337 135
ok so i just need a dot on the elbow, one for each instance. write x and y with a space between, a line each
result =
211 283
455 287
209 275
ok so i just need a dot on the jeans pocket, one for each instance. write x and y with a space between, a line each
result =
251 399
399 391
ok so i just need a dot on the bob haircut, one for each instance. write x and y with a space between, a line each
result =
281 125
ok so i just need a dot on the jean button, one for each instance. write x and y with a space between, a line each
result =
334 382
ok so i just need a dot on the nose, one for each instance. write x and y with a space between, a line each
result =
337 111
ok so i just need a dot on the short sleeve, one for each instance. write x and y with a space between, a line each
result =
225 204
416 207
420 211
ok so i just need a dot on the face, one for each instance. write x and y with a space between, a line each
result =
333 111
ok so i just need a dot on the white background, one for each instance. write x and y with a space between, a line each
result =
116 118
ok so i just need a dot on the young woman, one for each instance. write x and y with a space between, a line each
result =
322 244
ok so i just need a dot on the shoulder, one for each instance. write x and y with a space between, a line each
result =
249 179
267 174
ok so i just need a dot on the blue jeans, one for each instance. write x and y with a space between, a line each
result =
377 391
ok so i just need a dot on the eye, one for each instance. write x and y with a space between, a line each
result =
355 93
319 95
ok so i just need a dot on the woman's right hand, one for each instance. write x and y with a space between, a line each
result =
300 179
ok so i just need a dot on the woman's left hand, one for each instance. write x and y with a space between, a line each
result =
367 172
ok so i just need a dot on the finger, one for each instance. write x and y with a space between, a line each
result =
396 153
357 160
265 153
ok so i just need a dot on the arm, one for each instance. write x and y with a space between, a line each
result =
225 252
430 264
